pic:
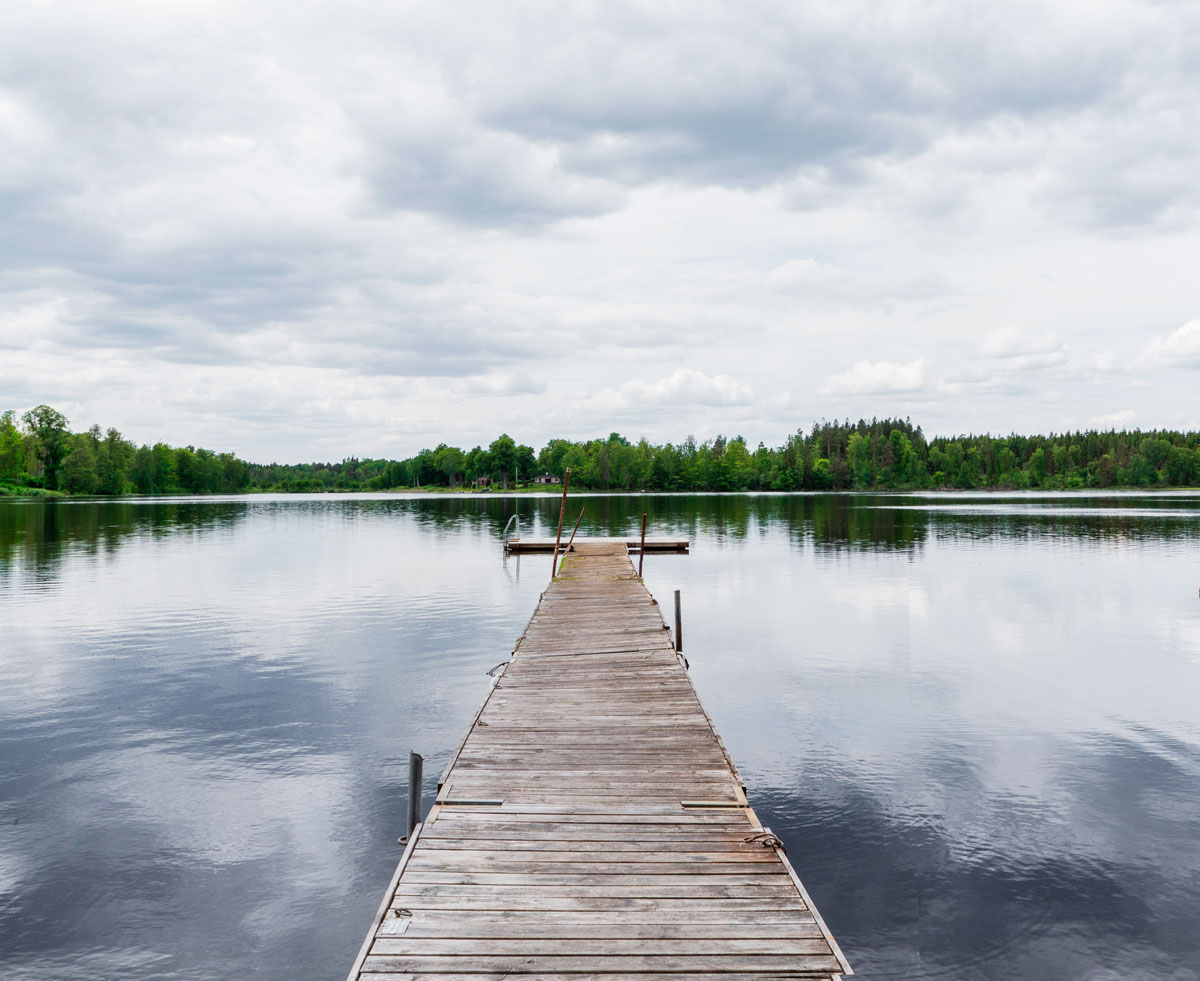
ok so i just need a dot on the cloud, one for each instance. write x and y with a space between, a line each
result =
476 175
1113 420
1101 363
1008 342
1021 351
836 285
879 378
748 96
1180 347
516 381
976 380
686 387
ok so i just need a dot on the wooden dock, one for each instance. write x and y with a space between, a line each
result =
591 823
633 544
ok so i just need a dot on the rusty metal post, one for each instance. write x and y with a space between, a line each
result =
678 625
642 547
562 510
573 530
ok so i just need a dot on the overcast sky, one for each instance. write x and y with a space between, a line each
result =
301 231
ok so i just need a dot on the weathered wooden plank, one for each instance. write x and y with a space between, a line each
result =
670 930
599 926
664 916
741 975
609 946
655 544
551 849
494 859
655 819
530 900
565 963
628 783
690 878
416 887
639 813
642 837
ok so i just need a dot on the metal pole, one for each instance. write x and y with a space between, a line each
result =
573 530
642 547
415 761
562 510
678 625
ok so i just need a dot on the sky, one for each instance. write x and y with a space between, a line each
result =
303 231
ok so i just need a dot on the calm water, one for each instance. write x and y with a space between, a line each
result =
974 720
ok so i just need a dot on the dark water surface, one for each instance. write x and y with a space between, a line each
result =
974 720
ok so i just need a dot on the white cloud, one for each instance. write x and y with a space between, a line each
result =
1102 363
686 387
1180 347
515 381
807 275
1113 420
1008 342
879 378
974 380
825 282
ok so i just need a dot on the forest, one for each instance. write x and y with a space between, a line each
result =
40 454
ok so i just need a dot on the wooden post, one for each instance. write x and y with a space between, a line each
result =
642 547
573 530
562 510
415 762
678 625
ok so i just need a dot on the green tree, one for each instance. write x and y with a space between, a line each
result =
52 441
524 464
78 473
858 458
165 475
735 469
450 461
1181 466
502 458
114 460
822 474
1141 472
551 457
1006 463
12 448
1037 467
186 474
475 464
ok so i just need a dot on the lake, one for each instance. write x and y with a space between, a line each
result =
973 719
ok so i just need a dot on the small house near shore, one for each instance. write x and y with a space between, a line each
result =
546 479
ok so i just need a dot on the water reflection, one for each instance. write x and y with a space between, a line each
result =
39 533
972 719
987 882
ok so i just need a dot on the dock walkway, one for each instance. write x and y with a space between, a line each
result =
592 823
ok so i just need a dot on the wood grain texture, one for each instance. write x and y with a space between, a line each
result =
591 823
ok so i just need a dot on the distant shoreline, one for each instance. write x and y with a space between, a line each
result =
8 493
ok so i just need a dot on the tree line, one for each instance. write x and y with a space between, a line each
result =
39 451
